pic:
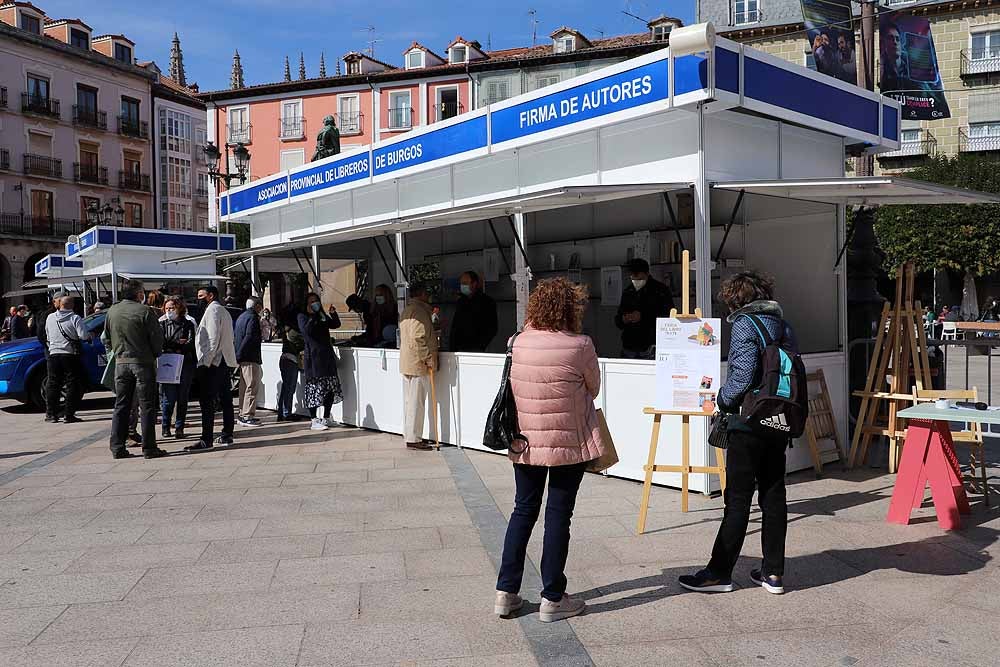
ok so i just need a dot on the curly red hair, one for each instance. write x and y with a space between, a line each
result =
556 304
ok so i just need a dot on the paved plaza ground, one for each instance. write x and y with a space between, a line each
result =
343 548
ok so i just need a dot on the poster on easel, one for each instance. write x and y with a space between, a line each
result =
688 363
611 286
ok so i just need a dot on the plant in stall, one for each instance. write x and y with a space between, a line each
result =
954 236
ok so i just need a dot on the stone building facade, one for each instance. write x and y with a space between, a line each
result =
966 40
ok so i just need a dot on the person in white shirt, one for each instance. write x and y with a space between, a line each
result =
216 353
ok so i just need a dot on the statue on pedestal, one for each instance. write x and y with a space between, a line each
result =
328 140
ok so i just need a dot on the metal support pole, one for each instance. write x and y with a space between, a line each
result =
255 286
866 164
702 227
729 227
401 280
317 283
522 272
673 220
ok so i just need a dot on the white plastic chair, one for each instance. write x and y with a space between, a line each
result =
949 331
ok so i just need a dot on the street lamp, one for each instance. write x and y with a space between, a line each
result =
242 160
109 215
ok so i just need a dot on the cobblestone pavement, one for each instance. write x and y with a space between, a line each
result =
343 548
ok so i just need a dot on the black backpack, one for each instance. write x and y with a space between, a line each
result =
502 430
778 407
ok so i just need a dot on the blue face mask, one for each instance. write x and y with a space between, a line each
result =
466 290
380 300
315 306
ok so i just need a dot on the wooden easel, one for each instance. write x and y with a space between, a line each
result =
900 351
685 468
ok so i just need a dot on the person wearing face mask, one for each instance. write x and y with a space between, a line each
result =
475 322
65 333
178 338
643 300
248 338
322 384
216 352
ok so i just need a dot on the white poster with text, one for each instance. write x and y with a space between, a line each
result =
688 363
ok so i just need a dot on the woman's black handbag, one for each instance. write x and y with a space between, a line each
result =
501 425
718 436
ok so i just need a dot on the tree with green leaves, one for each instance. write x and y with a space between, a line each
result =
960 237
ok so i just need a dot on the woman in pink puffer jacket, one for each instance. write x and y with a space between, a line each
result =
555 379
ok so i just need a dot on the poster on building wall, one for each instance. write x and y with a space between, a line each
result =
688 363
909 69
831 36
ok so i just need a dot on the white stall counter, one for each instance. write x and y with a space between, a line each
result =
467 384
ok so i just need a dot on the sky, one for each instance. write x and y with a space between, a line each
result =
265 31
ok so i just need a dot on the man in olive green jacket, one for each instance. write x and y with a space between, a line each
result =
137 340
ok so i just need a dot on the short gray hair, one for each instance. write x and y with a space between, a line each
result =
133 290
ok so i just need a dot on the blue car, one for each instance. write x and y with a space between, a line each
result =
23 370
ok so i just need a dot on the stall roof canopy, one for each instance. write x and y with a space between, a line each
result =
63 280
867 191
170 276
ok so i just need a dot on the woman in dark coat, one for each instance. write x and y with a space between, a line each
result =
178 338
322 384
291 362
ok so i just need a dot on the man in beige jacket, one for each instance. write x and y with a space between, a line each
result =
418 356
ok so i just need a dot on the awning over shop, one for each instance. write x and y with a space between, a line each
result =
61 280
864 191
25 292
166 277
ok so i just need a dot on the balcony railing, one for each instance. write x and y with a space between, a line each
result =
292 128
41 165
239 133
926 145
130 127
349 123
43 106
980 61
5 159
446 110
976 144
129 180
401 118
3 97
28 225
90 173
87 117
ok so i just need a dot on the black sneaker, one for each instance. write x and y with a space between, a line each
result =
135 437
772 583
71 419
156 454
224 441
706 582
179 433
165 432
52 419
198 446
123 454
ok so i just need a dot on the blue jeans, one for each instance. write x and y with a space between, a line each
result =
564 482
176 395
289 383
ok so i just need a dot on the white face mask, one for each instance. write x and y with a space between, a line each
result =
172 315
638 284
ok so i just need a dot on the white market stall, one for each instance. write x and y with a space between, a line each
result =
674 149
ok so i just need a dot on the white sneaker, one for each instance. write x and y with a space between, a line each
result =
557 611
318 424
507 603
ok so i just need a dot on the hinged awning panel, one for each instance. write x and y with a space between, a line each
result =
863 191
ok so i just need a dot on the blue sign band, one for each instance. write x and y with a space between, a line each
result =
260 194
224 205
339 172
431 146
626 90
890 123
782 88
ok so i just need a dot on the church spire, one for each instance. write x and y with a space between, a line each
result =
236 79
177 62
302 66
288 70
322 66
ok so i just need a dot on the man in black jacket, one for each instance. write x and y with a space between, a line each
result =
643 300
248 339
475 322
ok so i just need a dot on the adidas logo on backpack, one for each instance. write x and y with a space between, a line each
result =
776 422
